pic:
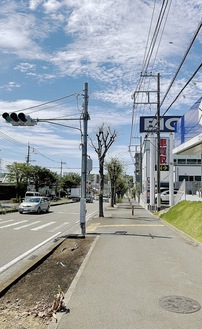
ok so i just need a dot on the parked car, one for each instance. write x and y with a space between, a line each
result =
34 205
105 198
29 194
89 199
164 196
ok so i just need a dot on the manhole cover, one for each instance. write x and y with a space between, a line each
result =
179 304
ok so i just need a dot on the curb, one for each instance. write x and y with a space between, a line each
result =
70 291
27 268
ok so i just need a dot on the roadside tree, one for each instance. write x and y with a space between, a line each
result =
41 177
69 181
104 139
115 169
18 174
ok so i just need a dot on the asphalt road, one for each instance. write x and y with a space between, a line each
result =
22 235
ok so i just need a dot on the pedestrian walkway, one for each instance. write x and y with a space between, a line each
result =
122 280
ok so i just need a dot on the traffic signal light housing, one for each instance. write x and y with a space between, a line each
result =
19 119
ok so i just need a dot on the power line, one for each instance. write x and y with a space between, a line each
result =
183 89
182 61
49 102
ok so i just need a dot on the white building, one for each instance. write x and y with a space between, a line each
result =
178 163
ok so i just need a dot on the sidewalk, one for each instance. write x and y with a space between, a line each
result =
114 288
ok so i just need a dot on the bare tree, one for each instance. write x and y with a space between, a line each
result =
105 138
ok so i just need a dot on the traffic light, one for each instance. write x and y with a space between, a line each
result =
19 119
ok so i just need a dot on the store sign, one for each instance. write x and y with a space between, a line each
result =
163 151
167 123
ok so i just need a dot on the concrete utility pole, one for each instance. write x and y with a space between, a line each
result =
155 128
158 145
84 162
28 154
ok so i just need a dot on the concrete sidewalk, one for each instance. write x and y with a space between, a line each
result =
121 282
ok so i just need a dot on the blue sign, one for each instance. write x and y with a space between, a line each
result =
167 124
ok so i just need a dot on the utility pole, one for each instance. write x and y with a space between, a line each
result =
28 154
61 163
158 145
157 126
84 162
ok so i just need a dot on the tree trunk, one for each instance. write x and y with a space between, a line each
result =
112 193
101 171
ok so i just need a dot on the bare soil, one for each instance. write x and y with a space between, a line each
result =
33 302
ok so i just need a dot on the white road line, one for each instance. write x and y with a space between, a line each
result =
13 224
91 214
6 221
42 226
27 225
6 266
59 227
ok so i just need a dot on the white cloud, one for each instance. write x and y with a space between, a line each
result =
52 5
33 4
10 86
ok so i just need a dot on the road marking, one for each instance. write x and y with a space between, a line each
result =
125 225
6 221
42 226
27 225
6 266
92 227
91 214
59 227
128 225
13 224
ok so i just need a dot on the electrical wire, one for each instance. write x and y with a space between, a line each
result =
155 36
147 57
49 102
182 62
12 140
199 67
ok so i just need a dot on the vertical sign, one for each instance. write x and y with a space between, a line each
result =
163 151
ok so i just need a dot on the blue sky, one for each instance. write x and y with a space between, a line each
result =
49 49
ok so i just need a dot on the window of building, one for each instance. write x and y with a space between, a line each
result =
182 177
181 161
191 161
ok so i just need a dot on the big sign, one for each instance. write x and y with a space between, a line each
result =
149 124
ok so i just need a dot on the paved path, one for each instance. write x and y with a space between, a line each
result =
126 281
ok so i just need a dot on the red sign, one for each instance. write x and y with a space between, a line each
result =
163 151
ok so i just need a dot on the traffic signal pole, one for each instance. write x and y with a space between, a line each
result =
25 120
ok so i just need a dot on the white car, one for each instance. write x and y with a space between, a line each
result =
164 196
34 205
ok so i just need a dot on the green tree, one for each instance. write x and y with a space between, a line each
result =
104 139
18 174
69 181
115 169
41 177
121 187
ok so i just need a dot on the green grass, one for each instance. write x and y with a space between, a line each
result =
186 216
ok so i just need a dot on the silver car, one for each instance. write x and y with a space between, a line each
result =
34 205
